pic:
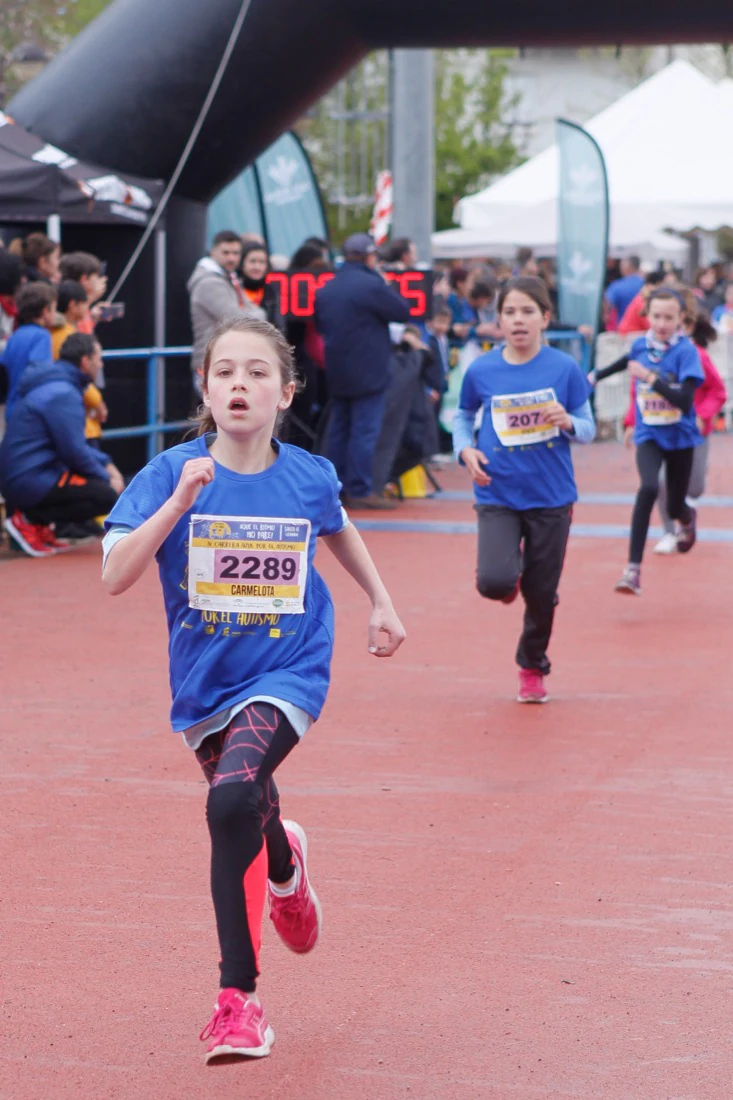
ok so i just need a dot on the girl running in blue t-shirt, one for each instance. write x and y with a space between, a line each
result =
666 369
534 401
232 519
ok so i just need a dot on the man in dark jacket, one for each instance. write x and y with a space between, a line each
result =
353 312
49 474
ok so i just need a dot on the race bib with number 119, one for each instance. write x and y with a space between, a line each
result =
238 563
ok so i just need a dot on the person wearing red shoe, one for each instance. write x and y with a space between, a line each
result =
49 474
34 539
535 401
232 519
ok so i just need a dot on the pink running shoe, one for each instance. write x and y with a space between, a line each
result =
297 917
238 1028
531 686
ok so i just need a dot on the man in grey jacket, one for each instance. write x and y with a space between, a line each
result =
216 294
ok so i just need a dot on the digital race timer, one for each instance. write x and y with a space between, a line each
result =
297 291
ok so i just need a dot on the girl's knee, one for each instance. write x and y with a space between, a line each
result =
647 494
234 806
494 586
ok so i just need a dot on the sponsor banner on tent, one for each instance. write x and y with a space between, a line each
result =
276 197
582 226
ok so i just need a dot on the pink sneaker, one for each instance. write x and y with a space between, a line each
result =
531 686
237 1028
297 917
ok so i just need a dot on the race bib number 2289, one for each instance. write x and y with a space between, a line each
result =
238 563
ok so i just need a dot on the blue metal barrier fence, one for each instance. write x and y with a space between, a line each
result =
156 425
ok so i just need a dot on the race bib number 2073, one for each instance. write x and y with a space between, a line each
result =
241 563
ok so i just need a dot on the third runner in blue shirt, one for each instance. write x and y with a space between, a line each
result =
534 401
666 370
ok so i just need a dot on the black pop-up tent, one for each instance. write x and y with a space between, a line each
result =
38 180
96 210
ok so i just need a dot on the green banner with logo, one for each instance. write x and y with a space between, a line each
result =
277 197
582 244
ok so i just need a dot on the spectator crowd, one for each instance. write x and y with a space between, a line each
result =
55 479
373 381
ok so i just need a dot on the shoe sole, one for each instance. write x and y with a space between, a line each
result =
294 827
544 699
25 546
224 1050
627 590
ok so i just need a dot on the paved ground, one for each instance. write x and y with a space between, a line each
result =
519 903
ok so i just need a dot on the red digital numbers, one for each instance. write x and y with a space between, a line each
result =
282 282
413 294
297 291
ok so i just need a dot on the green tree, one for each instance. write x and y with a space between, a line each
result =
46 25
473 131
346 135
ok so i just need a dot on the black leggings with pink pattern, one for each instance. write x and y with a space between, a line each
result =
248 841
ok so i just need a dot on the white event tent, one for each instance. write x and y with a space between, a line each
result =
669 163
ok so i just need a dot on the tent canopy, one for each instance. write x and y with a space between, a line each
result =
537 227
657 181
38 180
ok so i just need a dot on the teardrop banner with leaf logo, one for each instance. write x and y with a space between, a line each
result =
582 221
277 197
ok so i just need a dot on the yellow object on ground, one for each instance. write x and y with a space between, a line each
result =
413 484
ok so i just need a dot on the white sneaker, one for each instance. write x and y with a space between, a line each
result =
667 544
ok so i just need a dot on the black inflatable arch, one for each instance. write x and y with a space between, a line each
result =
127 91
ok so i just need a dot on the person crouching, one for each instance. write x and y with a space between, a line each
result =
49 474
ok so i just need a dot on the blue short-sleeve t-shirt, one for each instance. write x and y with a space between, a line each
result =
655 418
530 464
218 659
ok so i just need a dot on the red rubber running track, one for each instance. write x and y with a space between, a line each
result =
519 902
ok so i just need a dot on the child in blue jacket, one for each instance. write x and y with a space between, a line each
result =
31 341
